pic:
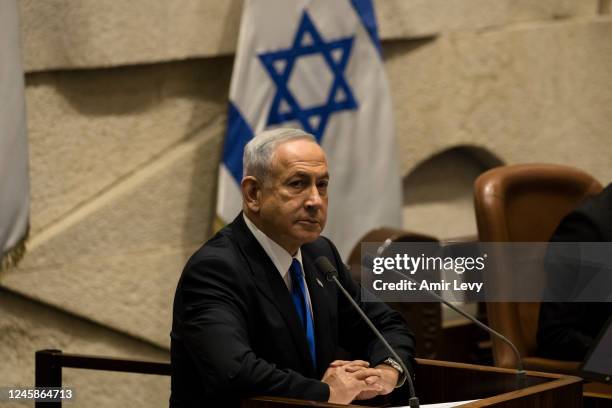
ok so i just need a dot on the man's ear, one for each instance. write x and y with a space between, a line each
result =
251 193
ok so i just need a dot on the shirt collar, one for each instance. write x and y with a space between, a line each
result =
279 255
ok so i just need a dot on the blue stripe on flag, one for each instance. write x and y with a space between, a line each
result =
365 11
238 135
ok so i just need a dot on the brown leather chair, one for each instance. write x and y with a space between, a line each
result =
525 203
424 319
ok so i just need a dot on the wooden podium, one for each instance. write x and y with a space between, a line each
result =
442 381
436 381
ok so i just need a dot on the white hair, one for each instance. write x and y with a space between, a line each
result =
257 158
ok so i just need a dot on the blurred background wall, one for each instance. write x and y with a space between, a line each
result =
126 106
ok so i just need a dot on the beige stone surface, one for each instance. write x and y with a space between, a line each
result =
538 93
130 293
89 129
438 198
126 248
102 33
27 326
420 18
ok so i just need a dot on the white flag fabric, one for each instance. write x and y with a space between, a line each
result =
316 65
14 182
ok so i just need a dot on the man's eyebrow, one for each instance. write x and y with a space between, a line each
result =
301 173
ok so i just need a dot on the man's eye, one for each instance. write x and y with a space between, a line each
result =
322 184
296 183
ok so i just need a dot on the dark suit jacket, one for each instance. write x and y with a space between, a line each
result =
235 331
567 330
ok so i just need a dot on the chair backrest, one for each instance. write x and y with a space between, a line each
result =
524 203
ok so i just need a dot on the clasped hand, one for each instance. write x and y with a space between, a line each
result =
350 380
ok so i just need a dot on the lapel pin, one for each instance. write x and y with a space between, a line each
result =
320 283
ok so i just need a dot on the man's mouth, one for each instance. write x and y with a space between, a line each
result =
309 221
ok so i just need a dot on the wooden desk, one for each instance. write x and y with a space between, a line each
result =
597 395
440 381
436 381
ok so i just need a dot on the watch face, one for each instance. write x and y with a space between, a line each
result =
394 364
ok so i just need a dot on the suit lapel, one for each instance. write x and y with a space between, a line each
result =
321 310
271 285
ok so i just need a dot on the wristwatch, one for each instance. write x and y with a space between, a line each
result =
402 375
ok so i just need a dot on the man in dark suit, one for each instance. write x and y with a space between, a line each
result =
566 330
253 315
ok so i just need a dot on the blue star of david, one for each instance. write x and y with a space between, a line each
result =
336 54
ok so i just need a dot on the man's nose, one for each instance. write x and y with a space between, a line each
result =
314 199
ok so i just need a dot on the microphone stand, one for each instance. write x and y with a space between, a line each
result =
332 275
520 369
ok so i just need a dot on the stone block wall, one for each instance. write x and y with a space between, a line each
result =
126 110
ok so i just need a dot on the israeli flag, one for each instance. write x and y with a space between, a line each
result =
316 65
14 182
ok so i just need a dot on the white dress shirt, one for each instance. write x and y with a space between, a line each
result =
279 256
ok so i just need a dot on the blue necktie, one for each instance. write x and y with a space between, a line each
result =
298 295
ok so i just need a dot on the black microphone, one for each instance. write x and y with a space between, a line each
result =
331 274
369 260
